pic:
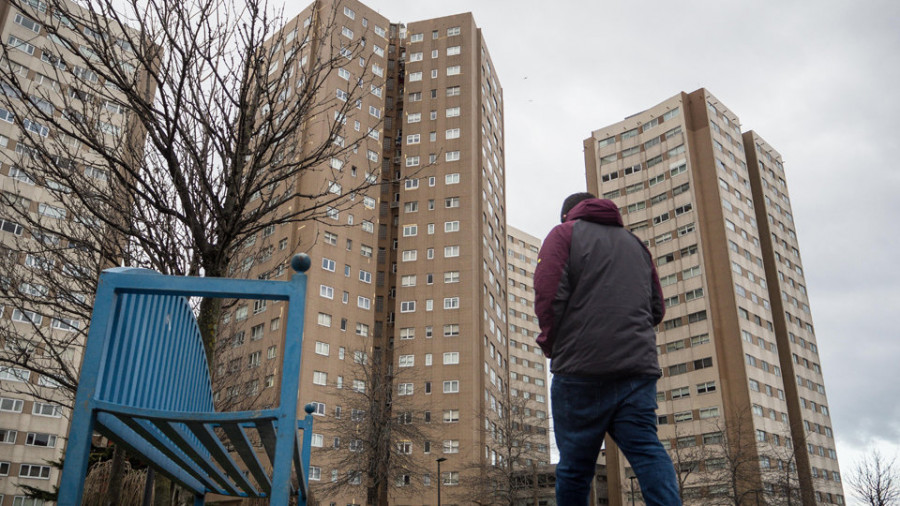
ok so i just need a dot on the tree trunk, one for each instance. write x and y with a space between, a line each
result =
161 490
117 474
208 321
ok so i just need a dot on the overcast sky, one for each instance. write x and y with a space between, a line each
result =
818 80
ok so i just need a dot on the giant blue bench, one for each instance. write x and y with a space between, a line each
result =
145 384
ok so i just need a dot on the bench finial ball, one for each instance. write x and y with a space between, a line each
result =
309 408
301 262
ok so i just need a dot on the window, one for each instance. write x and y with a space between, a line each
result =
410 230
450 478
678 393
405 389
452 112
703 363
46 409
21 45
363 302
451 202
451 446
451 302
451 133
451 330
451 358
34 471
452 31
328 264
454 70
451 251
257 331
408 306
451 178
407 361
11 405
451 415
324 319
28 23
451 387
320 378
451 156
8 436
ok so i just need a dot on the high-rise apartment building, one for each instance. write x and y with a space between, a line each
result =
742 393
527 364
411 272
43 263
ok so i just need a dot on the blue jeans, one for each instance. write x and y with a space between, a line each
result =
584 410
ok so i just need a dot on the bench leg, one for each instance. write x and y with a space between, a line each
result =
78 453
199 499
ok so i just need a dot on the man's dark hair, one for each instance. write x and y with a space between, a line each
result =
572 201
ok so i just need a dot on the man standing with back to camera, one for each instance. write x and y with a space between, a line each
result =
598 298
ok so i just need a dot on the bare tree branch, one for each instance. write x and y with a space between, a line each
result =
875 480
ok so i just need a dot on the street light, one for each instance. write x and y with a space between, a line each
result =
439 479
632 488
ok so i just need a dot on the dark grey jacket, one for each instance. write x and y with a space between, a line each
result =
597 296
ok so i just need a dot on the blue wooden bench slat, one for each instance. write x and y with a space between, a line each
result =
113 428
267 436
242 446
146 385
249 417
181 439
153 437
211 441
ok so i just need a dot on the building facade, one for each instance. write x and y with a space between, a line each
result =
527 364
741 381
48 273
409 277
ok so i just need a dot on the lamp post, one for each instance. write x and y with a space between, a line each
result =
632 488
439 478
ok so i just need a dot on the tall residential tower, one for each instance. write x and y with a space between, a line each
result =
742 393
411 273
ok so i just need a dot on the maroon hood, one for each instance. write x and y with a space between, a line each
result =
600 211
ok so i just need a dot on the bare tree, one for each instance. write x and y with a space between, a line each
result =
688 458
168 135
512 475
376 433
733 464
779 470
875 480
721 466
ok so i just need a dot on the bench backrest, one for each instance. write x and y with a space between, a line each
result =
154 355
